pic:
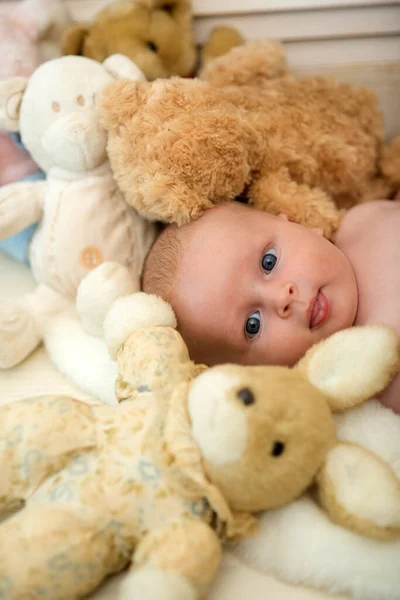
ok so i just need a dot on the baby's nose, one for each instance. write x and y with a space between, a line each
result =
285 297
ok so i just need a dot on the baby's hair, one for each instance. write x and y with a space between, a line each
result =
161 264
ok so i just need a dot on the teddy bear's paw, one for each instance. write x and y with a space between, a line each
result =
99 290
390 161
131 313
18 335
153 584
360 491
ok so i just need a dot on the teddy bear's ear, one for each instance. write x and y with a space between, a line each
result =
73 39
122 67
11 93
353 364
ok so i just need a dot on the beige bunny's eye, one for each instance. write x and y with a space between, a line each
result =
80 100
56 106
152 46
246 396
278 448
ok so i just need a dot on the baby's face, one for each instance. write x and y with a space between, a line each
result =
256 289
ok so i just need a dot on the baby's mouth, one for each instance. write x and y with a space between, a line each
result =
318 310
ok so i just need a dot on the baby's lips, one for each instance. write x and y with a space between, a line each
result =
318 310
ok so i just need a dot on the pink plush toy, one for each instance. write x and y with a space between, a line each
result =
15 163
29 35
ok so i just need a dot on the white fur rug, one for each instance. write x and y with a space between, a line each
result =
297 543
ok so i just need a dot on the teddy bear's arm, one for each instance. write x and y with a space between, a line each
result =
277 192
21 205
360 491
175 563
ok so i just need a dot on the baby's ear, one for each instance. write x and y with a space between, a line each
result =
353 365
11 94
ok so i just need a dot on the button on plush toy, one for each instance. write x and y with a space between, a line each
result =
84 220
183 461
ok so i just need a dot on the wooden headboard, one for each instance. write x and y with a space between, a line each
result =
354 40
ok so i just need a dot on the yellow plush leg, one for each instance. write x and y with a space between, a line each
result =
176 563
37 438
51 552
278 193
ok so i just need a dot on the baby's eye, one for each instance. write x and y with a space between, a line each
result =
253 325
269 260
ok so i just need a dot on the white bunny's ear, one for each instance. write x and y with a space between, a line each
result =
353 365
122 67
11 94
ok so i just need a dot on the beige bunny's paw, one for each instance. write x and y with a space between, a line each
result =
18 335
361 492
99 290
134 312
152 584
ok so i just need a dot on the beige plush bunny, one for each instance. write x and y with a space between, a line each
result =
84 220
183 462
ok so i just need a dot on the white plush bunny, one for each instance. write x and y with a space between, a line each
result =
84 220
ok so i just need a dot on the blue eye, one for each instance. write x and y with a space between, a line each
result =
269 260
253 325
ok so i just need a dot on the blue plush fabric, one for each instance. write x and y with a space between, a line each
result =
17 246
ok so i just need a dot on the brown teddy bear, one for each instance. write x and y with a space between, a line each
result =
298 146
157 35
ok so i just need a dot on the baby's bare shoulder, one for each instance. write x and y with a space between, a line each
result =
363 220
369 237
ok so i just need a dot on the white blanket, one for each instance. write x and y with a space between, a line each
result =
296 543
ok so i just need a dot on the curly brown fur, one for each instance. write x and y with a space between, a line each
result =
177 147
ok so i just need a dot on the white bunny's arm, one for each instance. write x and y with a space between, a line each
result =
131 313
360 491
21 205
175 563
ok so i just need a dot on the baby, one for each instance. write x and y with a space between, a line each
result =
252 288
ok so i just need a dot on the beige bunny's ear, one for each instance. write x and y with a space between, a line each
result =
11 93
122 67
353 364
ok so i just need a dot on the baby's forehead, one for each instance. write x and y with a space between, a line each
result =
224 217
